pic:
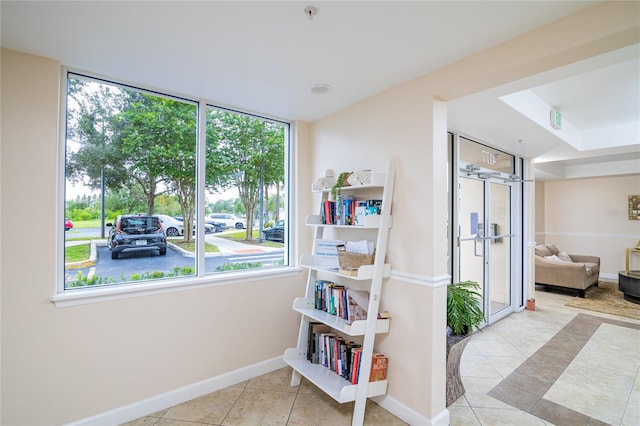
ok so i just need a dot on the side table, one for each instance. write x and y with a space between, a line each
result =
629 284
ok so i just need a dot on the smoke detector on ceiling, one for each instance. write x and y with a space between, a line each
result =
310 11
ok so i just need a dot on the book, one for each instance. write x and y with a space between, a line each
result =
326 253
325 356
358 305
315 330
378 368
355 364
353 272
349 349
328 212
320 300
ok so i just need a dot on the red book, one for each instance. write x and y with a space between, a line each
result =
327 212
356 364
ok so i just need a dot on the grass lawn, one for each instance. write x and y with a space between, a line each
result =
208 247
88 223
83 239
241 234
77 253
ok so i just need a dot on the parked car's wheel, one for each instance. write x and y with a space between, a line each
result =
239 226
172 232
114 255
163 251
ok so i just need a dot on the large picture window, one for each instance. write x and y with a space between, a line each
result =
133 187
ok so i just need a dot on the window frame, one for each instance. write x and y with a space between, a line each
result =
81 295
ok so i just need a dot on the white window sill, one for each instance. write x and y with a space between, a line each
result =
85 295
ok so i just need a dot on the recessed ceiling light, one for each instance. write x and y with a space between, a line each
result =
320 89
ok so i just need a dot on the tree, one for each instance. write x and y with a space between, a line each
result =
160 138
250 152
92 122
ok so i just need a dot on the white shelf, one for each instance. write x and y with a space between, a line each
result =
365 272
356 328
377 181
332 384
370 222
379 188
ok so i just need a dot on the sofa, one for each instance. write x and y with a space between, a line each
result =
558 269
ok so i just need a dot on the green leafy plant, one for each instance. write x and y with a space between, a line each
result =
82 281
237 266
464 311
336 189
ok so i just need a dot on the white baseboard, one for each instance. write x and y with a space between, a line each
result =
409 415
183 394
609 277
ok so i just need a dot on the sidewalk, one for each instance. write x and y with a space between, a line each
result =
235 247
226 247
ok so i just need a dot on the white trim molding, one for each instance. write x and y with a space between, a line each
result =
410 415
186 393
85 295
421 280
593 235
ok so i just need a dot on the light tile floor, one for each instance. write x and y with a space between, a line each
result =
598 384
568 366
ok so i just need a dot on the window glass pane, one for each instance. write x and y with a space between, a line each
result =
246 191
130 192
485 157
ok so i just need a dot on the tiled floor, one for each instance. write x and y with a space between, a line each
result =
565 365
557 365
267 400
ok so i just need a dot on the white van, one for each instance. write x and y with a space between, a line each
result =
229 220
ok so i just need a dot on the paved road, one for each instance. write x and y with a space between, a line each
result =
150 261
85 232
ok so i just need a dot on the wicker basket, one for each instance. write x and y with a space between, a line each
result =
353 260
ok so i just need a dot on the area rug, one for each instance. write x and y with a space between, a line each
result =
606 298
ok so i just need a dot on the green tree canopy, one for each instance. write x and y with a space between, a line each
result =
250 152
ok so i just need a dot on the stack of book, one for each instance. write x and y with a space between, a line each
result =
341 356
335 299
344 211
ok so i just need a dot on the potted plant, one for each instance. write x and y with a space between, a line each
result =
464 316
340 182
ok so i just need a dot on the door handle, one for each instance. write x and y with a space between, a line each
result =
477 240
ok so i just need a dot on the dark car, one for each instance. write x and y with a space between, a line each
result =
275 233
217 226
67 224
136 232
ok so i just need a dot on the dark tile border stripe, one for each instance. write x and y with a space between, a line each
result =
526 386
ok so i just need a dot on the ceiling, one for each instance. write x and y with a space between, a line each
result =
265 56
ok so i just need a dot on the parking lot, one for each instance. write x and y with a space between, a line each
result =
140 262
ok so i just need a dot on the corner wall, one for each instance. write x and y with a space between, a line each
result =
589 216
61 365
409 123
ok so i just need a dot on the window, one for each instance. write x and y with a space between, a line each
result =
133 188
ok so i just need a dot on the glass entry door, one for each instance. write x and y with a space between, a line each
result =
484 248
484 226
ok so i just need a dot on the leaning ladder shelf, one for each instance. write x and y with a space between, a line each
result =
331 383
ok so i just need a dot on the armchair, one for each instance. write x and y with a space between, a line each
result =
555 268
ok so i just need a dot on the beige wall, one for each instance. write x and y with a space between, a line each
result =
60 365
406 122
539 212
66 364
589 216
401 123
